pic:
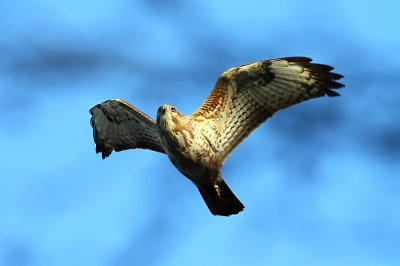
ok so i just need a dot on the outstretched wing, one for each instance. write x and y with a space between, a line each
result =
118 126
245 96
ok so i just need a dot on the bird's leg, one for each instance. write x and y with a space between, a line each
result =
218 190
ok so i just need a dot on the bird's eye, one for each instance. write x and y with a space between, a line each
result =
173 109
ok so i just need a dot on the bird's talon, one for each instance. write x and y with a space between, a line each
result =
218 190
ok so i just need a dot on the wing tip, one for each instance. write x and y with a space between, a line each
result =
332 93
333 85
101 144
101 148
326 80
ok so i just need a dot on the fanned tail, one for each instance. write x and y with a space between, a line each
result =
220 199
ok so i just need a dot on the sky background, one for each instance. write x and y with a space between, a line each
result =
320 181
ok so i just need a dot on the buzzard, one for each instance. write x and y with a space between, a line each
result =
198 144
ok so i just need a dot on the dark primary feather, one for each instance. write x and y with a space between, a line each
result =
118 126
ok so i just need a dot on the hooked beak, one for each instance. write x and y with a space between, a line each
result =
160 111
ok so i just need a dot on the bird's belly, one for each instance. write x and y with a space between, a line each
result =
196 171
194 165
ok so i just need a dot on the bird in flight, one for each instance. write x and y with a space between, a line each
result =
198 144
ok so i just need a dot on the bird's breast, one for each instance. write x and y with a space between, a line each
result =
190 153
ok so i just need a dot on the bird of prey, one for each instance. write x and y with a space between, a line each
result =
198 144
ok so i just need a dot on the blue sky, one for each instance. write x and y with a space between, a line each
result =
319 180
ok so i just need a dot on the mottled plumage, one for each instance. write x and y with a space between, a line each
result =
198 144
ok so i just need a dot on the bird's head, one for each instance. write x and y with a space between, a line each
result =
167 116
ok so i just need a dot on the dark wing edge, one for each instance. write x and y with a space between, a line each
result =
118 126
326 80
